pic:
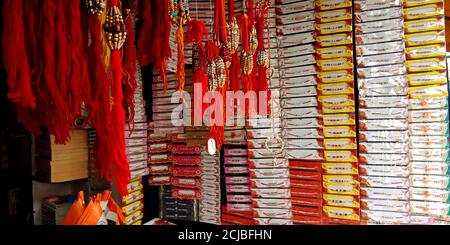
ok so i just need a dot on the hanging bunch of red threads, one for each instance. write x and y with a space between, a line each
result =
129 58
154 35
196 31
116 34
179 15
15 58
215 72
234 36
262 56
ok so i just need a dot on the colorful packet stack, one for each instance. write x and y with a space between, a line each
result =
301 117
336 101
428 110
210 202
176 209
383 134
160 167
238 209
133 204
187 171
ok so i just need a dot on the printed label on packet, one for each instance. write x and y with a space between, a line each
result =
381 59
335 88
385 205
379 37
334 40
375 4
335 64
430 181
419 12
427 78
340 144
341 189
425 38
336 100
429 194
386 182
384 113
335 52
428 116
380 14
435 142
339 168
384 136
394 124
412 3
429 168
429 51
384 193
383 102
341 213
423 129
339 131
380 25
384 170
384 147
422 65
431 24
383 217
335 76
323 5
340 156
334 15
339 119
384 159
341 201
380 48
334 27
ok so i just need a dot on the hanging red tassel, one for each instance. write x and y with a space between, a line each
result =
79 81
145 37
180 61
119 169
161 44
129 63
262 59
14 54
195 32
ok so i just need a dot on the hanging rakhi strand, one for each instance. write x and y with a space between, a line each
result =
179 15
116 34
263 60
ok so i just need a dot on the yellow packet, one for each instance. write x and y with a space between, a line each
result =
412 3
335 52
332 4
339 131
341 213
340 144
428 51
335 76
423 11
336 100
334 15
432 64
430 91
430 24
334 27
339 168
338 119
335 88
338 109
426 78
425 38
340 156
341 200
334 40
